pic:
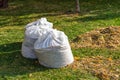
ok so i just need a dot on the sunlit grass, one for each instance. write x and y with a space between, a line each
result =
21 12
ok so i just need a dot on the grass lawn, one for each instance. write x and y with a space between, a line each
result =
94 14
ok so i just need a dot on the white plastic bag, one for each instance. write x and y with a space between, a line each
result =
50 46
42 23
54 51
39 28
28 48
28 51
33 31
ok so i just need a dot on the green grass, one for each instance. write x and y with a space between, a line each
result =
94 14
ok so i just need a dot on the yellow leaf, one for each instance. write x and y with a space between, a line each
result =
77 58
110 59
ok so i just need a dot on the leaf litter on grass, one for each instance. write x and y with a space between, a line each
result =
100 38
103 68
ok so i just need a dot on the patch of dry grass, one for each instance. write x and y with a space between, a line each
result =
100 38
103 68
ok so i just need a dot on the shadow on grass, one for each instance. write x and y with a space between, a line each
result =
12 63
17 21
25 7
95 16
107 16
22 12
